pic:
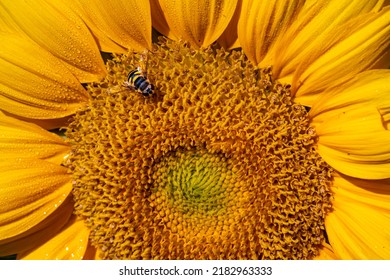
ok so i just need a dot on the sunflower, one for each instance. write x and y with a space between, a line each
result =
264 133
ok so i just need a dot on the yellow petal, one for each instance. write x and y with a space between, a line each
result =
104 43
384 111
38 234
352 136
47 124
359 226
91 253
55 27
20 139
353 47
70 243
31 189
374 194
34 83
229 38
326 253
127 24
261 24
198 22
307 31
7 24
158 20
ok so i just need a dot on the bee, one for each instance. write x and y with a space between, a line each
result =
137 79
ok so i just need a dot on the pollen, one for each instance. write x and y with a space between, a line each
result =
219 163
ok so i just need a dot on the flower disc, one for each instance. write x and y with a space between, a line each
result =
219 163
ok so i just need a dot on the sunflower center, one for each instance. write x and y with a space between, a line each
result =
217 163
192 182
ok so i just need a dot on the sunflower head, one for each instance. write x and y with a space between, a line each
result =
179 149
219 163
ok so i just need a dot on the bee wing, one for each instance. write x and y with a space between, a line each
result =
117 89
143 60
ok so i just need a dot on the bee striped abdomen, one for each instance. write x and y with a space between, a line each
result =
137 80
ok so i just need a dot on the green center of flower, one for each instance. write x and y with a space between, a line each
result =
193 182
219 163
